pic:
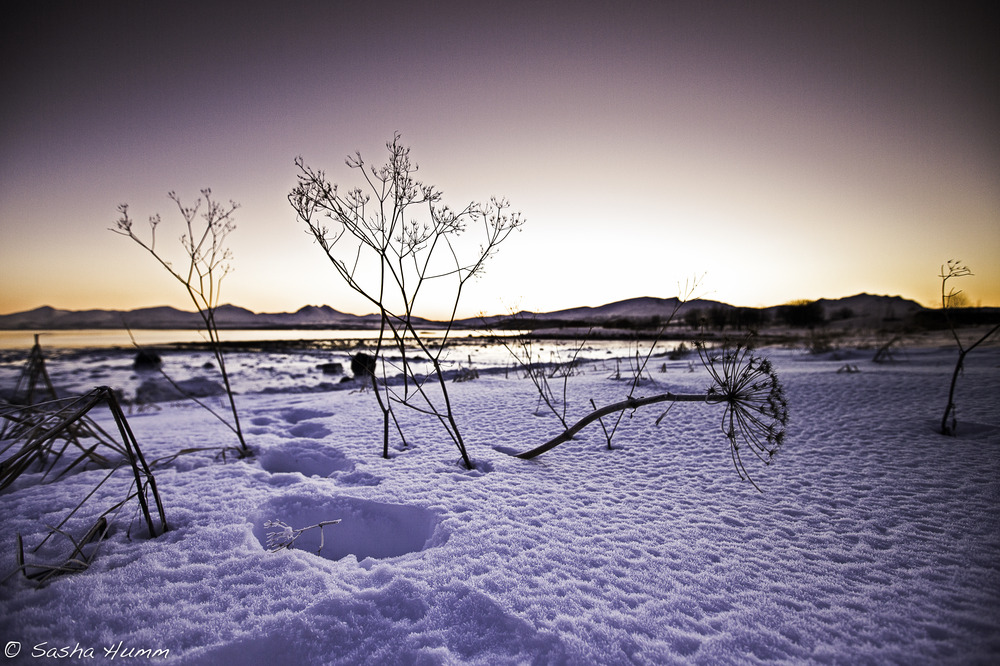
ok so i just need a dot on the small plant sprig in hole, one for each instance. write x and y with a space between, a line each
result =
756 411
283 536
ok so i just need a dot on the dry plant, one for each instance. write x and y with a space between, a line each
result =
34 380
755 408
522 351
142 487
207 264
78 560
885 352
951 298
284 536
641 360
51 429
52 432
395 243
540 372
223 450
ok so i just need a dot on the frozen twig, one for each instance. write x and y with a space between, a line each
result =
284 536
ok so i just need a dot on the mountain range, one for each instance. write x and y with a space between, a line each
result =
862 306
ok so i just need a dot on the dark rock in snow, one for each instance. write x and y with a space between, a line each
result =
147 360
362 365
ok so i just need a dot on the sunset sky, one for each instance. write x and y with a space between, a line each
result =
784 150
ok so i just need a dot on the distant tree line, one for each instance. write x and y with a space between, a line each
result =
959 318
800 314
721 318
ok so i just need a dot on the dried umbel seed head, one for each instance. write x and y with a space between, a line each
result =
284 536
280 536
756 412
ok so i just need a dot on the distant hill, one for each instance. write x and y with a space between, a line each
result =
163 317
643 308
861 308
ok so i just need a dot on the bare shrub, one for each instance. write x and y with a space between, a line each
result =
207 263
950 299
393 241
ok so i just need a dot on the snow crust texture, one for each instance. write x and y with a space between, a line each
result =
875 541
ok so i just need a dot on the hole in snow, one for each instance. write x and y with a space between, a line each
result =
366 528
306 457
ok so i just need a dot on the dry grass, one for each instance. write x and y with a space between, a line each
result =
46 431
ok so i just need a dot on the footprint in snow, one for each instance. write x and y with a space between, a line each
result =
367 529
310 430
305 457
297 414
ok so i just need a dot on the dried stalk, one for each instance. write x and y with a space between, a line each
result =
207 265
949 422
755 414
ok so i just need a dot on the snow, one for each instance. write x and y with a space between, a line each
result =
875 540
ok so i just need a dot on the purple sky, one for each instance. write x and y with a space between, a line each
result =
785 150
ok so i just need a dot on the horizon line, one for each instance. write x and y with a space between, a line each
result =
575 307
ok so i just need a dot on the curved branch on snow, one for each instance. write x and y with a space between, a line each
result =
629 403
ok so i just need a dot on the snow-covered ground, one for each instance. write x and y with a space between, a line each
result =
875 540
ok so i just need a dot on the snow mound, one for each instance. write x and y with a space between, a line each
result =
366 529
